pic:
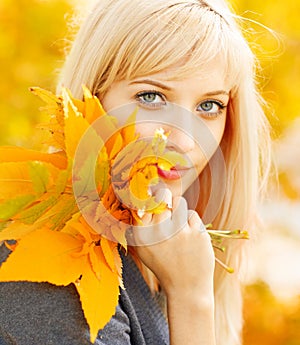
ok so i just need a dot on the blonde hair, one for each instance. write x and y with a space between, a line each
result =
126 39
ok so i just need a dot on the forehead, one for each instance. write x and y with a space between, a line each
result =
210 75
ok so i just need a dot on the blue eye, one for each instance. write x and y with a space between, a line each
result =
210 108
151 99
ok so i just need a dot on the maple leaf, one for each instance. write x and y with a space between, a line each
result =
99 298
90 108
62 258
44 255
54 108
110 171
18 154
12 206
75 125
14 176
102 172
128 131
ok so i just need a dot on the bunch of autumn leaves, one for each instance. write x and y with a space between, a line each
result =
53 241
67 212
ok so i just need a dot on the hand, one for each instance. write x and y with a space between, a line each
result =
180 254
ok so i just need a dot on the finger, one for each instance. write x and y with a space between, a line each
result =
146 218
160 229
157 227
195 221
179 213
164 195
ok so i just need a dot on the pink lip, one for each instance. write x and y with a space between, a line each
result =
172 174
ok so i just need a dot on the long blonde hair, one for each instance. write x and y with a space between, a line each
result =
126 39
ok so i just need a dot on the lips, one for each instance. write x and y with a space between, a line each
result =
172 174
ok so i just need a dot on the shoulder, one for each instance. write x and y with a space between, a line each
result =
41 313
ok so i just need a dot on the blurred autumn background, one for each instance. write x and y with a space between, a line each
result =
33 35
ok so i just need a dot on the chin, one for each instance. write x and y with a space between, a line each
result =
179 187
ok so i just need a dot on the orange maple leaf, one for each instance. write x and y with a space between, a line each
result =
62 258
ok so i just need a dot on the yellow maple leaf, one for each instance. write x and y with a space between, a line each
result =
99 297
14 177
18 154
54 108
44 255
128 132
14 231
75 125
92 107
61 258
108 251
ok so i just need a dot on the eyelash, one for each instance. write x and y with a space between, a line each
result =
157 105
213 114
139 96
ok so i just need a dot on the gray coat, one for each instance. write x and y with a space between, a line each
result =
44 314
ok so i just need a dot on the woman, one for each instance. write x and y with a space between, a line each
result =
184 60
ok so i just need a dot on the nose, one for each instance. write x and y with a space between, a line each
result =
180 124
178 139
176 121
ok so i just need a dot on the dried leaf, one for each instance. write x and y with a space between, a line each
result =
75 126
39 175
11 207
99 298
13 231
174 158
44 256
159 142
62 180
107 248
93 108
62 212
32 214
139 186
128 131
129 155
84 182
14 179
18 154
47 96
3 226
94 253
119 234
102 173
114 145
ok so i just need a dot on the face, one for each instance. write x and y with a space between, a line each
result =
192 110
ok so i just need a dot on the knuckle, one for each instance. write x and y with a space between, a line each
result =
193 214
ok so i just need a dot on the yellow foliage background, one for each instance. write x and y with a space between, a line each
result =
33 35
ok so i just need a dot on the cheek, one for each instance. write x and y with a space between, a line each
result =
208 142
218 130
146 130
215 131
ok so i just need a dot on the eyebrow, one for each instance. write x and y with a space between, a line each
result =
216 93
168 88
152 82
